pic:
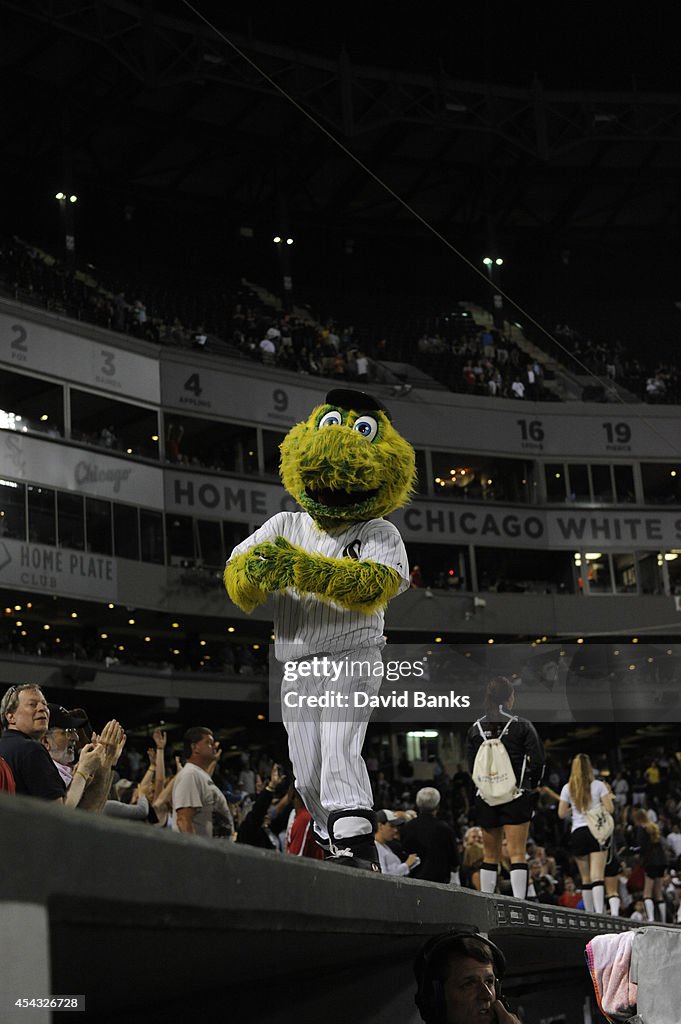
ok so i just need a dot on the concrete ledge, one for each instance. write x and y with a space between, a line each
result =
142 920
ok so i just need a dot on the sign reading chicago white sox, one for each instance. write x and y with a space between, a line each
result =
332 569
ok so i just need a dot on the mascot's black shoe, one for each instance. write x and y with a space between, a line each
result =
356 852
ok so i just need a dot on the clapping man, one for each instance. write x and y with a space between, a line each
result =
25 719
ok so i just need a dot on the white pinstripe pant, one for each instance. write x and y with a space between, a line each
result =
325 744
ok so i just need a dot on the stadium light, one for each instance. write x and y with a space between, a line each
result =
493 263
66 201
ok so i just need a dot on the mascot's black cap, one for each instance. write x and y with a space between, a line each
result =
358 401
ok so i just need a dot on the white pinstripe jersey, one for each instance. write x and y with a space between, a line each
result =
304 625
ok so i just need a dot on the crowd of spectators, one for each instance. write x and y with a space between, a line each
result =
580 354
647 798
241 321
644 375
476 360
234 321
423 827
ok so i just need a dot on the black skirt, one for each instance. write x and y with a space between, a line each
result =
515 812
582 843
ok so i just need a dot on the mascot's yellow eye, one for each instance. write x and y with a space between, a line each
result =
367 426
330 419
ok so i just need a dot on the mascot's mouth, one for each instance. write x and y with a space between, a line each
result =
339 499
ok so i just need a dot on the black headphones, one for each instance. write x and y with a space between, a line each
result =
430 991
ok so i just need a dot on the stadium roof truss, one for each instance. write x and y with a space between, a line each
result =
148 103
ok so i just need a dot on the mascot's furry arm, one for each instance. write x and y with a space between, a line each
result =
276 565
238 579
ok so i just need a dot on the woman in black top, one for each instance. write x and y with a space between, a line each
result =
646 840
511 819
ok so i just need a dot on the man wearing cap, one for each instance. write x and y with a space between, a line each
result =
387 823
61 740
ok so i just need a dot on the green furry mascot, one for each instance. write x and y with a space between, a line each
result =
332 569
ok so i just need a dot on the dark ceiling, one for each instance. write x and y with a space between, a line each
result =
179 125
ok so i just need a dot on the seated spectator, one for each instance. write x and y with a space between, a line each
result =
543 883
200 338
570 896
638 911
655 388
268 348
494 383
387 823
548 864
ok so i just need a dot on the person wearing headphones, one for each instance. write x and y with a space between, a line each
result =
458 978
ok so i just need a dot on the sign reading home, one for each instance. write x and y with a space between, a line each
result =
205 497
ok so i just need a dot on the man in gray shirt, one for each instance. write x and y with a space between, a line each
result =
196 798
